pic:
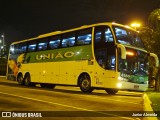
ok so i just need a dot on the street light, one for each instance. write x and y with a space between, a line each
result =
135 25
2 46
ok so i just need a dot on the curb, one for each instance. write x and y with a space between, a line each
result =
147 107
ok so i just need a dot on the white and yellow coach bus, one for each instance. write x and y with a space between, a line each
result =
105 56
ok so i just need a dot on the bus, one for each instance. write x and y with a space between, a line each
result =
107 56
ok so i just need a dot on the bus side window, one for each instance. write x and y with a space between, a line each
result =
42 44
11 50
32 46
108 35
68 40
84 37
24 48
54 42
101 57
18 48
104 47
98 36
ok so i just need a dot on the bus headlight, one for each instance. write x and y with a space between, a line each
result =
119 85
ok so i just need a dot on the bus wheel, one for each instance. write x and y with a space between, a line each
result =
111 91
27 80
85 84
20 79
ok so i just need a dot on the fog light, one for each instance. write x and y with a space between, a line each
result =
119 85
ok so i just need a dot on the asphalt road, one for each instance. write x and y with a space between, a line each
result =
68 102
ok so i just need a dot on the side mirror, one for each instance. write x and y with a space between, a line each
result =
123 51
156 59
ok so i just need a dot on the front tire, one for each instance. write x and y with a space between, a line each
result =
85 84
111 91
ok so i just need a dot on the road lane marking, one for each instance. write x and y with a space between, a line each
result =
68 106
95 97
87 95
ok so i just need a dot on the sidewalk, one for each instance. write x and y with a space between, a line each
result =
155 100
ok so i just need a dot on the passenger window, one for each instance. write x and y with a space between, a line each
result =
23 49
12 50
32 46
42 44
98 36
101 57
104 47
108 35
68 40
18 48
103 34
54 42
84 37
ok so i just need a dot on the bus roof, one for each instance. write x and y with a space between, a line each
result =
70 30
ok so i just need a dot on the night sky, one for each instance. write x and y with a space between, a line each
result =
22 19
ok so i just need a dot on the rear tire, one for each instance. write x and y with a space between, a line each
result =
111 91
20 79
85 84
27 80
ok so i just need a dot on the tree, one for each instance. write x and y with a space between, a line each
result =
154 20
154 23
151 39
146 33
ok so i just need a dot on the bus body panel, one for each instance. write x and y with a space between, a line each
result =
64 65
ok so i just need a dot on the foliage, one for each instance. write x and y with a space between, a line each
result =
154 20
151 34
146 34
151 38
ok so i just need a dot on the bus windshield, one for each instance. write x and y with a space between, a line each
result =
135 68
128 37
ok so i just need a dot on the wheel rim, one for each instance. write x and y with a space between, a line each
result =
85 84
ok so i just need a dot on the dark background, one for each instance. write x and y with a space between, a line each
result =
22 19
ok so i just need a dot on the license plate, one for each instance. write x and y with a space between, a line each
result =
136 86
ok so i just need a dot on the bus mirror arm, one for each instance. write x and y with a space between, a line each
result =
123 51
156 59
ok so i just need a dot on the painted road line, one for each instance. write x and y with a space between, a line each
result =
147 107
89 96
68 106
